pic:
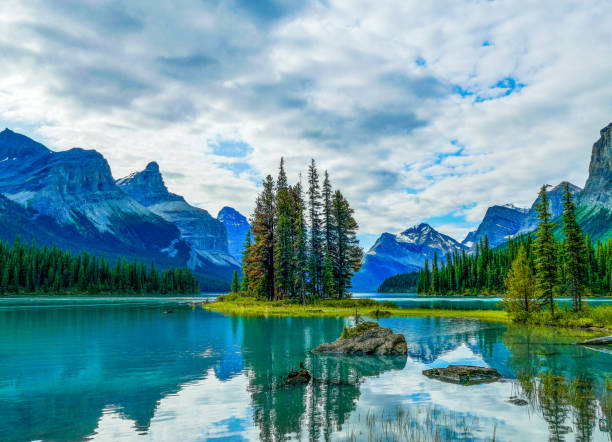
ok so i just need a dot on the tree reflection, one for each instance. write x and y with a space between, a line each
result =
315 410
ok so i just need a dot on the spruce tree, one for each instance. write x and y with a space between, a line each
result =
574 250
544 251
315 251
244 286
235 287
348 254
300 247
283 252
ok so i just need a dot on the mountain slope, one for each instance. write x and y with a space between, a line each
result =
205 235
401 253
70 198
237 227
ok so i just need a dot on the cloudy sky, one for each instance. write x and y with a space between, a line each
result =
420 110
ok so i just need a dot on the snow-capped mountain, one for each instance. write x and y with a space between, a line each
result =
70 198
503 222
206 236
237 227
400 253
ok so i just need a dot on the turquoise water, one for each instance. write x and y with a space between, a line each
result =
412 300
162 369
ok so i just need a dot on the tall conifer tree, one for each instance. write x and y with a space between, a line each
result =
316 240
283 252
545 259
574 250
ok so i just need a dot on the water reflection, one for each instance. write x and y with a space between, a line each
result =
130 371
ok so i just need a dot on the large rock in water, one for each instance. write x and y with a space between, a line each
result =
604 340
463 374
376 341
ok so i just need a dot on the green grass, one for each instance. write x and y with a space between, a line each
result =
587 317
238 305
349 332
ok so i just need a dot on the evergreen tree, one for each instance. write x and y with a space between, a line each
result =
348 254
544 251
244 287
316 241
519 299
327 212
260 264
574 250
300 247
235 287
283 250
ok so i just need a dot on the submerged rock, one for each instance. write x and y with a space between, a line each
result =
604 340
375 341
463 374
301 376
517 401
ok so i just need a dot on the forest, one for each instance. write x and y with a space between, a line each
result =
300 247
29 269
571 266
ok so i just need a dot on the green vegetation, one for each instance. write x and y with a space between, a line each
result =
240 305
33 270
349 332
286 259
573 266
401 283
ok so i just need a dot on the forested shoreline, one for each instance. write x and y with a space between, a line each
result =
30 269
300 247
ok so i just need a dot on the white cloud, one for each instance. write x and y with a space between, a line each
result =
334 80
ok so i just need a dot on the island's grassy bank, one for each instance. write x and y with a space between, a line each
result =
239 305
249 306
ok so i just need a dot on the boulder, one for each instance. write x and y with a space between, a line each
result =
463 374
375 341
301 376
604 340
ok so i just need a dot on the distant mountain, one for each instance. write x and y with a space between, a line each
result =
402 253
237 227
205 235
502 222
70 198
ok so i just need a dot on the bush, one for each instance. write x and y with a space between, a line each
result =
349 332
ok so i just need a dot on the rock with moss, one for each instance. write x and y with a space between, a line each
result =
463 374
366 339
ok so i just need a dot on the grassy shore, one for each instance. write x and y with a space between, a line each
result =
247 306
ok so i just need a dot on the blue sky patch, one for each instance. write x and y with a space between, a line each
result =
420 61
231 149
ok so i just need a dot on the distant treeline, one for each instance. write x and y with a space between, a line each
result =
32 269
402 283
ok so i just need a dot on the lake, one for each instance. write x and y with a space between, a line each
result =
162 369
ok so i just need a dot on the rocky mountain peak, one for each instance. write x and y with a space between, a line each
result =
237 227
15 146
597 190
147 186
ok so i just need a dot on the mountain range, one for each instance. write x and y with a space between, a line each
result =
70 199
406 252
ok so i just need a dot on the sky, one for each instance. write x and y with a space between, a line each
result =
421 111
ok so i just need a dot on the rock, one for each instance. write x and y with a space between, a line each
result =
604 340
237 227
597 190
463 374
380 313
517 401
375 341
301 376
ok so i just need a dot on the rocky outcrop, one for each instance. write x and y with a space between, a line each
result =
375 341
237 227
463 374
301 376
402 253
205 235
598 188
604 340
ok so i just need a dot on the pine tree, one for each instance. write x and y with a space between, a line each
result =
348 254
574 250
235 287
300 257
544 250
327 212
260 265
519 299
244 286
283 252
316 242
